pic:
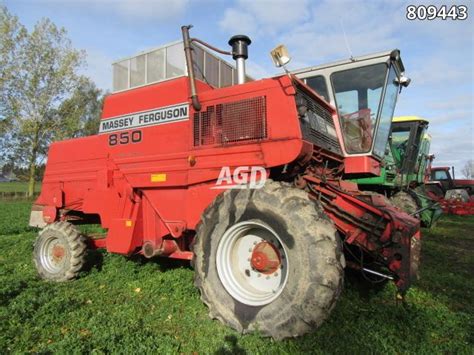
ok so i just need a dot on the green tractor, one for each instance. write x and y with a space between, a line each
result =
404 170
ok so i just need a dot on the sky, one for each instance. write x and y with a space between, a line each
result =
438 55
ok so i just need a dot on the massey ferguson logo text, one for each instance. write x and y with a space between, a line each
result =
244 177
146 118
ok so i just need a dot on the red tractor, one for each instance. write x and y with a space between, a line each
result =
454 195
247 180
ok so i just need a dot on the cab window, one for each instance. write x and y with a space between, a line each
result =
318 84
440 175
358 94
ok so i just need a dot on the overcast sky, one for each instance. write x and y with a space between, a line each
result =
438 55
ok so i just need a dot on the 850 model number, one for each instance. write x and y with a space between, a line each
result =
125 137
431 12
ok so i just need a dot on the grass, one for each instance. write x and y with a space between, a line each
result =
17 186
134 305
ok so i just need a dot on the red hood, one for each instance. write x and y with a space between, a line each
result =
463 182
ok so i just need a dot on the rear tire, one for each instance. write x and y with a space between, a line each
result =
59 252
304 291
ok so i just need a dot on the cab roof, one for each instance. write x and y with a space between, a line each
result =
350 61
409 119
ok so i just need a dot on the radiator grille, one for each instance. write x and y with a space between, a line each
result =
317 125
232 122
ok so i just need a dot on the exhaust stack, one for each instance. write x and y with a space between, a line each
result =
240 45
190 66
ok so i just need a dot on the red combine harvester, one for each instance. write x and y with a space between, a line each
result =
454 195
248 180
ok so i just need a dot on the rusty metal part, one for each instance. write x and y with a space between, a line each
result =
190 66
167 247
58 253
210 46
366 220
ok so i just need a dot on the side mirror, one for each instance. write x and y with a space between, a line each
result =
405 81
280 56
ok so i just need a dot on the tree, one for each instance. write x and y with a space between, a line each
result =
43 98
80 113
468 169
11 34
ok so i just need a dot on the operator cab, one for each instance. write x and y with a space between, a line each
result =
443 176
364 90
409 143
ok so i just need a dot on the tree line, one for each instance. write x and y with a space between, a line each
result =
43 96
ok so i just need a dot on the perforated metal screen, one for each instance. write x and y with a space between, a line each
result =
243 120
168 62
317 125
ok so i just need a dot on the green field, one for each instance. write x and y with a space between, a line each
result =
135 305
17 186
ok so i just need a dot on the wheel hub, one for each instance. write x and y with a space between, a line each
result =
58 253
252 263
265 258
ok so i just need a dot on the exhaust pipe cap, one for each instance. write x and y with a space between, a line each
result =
239 45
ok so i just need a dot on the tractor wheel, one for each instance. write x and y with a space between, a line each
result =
268 260
405 202
59 252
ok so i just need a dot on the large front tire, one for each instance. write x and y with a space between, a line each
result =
59 252
268 260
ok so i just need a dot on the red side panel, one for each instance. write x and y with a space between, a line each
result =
170 172
362 165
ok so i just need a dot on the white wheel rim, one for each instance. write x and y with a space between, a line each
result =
53 255
235 261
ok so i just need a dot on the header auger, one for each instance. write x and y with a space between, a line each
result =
268 258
